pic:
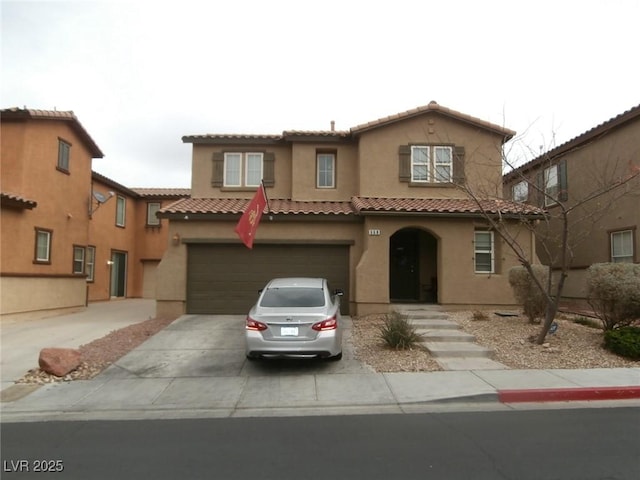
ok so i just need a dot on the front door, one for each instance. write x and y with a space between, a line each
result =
118 274
404 266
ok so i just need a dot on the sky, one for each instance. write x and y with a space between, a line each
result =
140 75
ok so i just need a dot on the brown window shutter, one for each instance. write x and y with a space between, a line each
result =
540 189
458 165
268 169
404 154
217 179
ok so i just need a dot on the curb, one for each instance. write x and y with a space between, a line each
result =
568 394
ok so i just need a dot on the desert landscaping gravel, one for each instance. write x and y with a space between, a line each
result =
571 346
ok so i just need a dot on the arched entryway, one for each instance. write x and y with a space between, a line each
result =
413 266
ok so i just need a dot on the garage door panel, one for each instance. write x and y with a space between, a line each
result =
226 278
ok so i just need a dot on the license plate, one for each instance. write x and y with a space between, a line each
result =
289 331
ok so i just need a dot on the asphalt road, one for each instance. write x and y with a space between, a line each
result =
521 445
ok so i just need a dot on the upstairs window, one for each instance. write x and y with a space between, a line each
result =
622 246
152 210
554 184
484 252
242 169
121 209
326 166
431 164
520 191
64 149
43 246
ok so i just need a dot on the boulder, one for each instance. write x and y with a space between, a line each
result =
59 361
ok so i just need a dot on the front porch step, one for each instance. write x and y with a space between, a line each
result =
457 350
424 315
475 363
445 335
434 324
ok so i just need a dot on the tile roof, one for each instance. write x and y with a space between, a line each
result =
449 206
433 106
277 206
163 192
16 201
231 138
357 206
588 136
16 113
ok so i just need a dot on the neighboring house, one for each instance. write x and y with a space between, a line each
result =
604 229
376 209
59 224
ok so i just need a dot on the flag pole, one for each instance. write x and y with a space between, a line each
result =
264 189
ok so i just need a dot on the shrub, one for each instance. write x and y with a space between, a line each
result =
613 291
624 341
398 332
479 316
527 293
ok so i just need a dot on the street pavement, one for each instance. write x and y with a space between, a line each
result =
196 368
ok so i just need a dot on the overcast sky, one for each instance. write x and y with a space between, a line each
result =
139 75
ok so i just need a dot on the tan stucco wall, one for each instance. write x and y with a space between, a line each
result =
30 294
379 163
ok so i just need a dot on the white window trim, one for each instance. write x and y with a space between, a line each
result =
246 168
623 256
90 265
81 270
491 252
123 222
427 163
333 170
436 163
551 192
48 245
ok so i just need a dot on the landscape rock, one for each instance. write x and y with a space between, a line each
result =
59 361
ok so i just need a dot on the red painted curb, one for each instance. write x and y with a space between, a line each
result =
568 394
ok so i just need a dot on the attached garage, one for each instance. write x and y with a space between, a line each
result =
225 278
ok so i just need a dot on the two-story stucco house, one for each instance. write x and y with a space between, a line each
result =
604 229
69 235
376 209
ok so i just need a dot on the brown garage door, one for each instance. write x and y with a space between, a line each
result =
226 278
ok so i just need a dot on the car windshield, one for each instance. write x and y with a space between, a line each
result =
293 297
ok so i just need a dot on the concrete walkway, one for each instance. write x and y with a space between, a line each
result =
22 339
196 368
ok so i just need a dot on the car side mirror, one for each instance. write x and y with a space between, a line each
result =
338 292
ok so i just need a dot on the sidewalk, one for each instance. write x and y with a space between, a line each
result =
196 368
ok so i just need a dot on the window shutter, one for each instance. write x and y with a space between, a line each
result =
268 169
539 194
563 195
404 154
458 165
217 178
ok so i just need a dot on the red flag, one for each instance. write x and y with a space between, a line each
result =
248 223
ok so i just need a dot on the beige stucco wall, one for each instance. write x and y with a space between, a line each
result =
32 294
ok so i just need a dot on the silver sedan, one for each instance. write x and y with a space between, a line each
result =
295 317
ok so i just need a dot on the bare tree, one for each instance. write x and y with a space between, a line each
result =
561 224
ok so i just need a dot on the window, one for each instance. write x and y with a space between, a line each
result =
551 185
622 246
484 252
326 166
442 170
424 170
121 208
243 166
90 263
43 246
520 191
63 155
152 209
78 260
